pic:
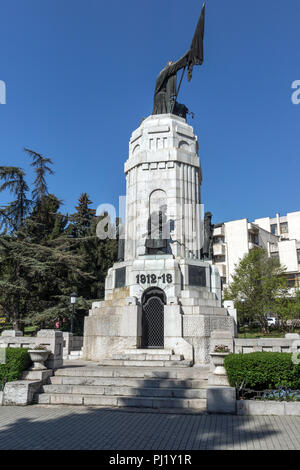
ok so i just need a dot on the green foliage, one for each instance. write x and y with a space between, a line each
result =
261 281
13 214
262 370
45 255
17 360
41 168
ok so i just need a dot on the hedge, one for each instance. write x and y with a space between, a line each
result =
17 360
262 370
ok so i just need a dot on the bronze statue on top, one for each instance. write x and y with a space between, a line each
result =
166 92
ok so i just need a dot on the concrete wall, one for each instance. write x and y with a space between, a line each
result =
236 236
293 219
291 343
288 255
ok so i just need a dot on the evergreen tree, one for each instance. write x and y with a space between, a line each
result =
82 219
45 221
99 254
41 168
13 214
45 255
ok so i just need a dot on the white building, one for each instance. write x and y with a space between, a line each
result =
280 236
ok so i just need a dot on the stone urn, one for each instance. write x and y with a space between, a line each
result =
218 377
218 361
38 357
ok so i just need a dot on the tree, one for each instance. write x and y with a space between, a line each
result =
41 166
36 279
45 255
13 214
99 254
83 218
261 281
45 221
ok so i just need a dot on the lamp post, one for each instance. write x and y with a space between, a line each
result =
73 300
243 302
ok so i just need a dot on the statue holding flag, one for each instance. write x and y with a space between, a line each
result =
166 91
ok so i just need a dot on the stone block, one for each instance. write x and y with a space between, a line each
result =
221 400
292 408
172 321
12 333
260 408
288 336
41 375
20 392
218 380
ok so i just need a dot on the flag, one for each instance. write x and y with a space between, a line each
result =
196 51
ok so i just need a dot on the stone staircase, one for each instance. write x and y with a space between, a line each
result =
76 354
147 358
121 385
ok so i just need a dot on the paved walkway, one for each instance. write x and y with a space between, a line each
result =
68 427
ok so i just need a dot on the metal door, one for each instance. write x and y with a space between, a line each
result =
153 319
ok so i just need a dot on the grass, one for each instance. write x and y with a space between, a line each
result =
246 332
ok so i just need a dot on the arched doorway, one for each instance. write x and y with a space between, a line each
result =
153 302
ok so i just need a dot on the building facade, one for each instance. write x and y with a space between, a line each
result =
280 236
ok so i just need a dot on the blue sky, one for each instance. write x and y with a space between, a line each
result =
80 75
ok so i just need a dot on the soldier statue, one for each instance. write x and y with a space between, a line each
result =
207 250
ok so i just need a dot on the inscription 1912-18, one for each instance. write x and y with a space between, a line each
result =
153 278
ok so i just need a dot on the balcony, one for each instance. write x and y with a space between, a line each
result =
219 249
219 231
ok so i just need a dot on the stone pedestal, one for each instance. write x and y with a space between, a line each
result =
163 170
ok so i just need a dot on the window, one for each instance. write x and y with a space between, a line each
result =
284 227
274 254
298 256
253 238
292 280
274 229
219 259
218 240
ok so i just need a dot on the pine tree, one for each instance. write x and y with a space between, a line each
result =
13 214
41 168
45 221
82 219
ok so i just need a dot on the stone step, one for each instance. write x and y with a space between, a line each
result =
76 353
167 352
119 401
129 382
144 391
148 357
145 363
181 373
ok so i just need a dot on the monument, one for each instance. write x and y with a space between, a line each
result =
164 292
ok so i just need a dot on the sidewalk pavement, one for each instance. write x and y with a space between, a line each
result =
69 427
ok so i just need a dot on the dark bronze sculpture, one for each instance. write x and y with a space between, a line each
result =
156 242
121 242
207 250
166 92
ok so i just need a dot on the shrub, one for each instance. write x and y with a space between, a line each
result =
17 360
262 370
